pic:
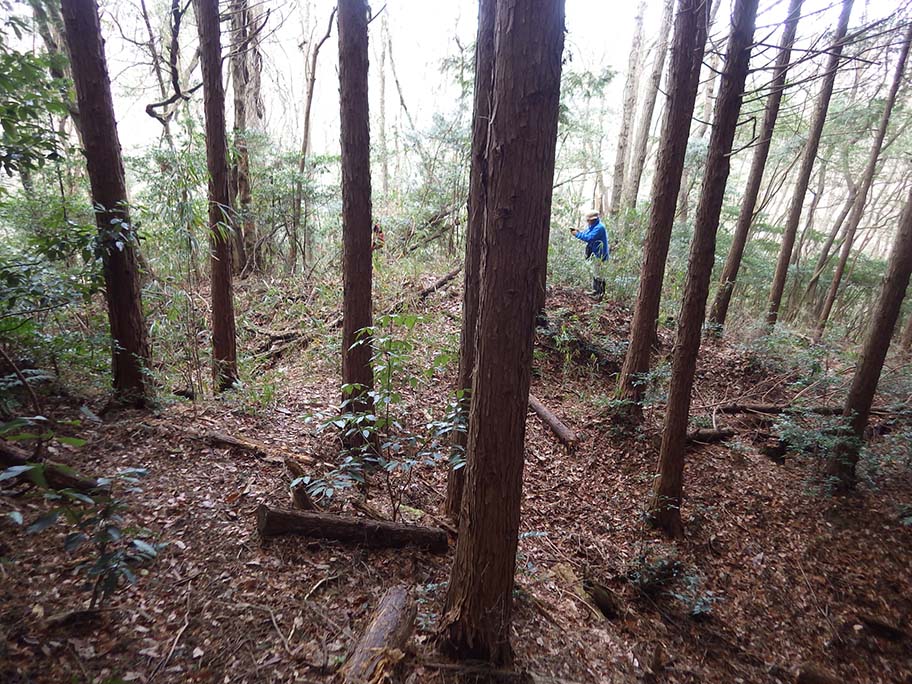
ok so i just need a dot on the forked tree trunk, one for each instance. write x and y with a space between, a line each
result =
641 143
865 187
665 506
224 349
356 202
631 86
807 166
130 355
687 181
298 194
842 462
686 59
521 149
478 185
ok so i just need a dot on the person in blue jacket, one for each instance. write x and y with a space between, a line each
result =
597 250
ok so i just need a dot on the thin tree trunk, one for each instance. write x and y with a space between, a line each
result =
638 154
631 86
807 166
812 210
478 185
686 59
130 354
857 410
520 156
906 340
665 505
224 337
298 195
865 187
384 152
687 181
356 203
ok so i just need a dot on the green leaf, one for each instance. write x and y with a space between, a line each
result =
16 471
71 441
15 516
73 541
145 548
43 522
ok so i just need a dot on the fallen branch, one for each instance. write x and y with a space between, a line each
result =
217 438
565 435
58 476
425 293
299 496
371 533
776 409
382 645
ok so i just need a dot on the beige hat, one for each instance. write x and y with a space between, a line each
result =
591 214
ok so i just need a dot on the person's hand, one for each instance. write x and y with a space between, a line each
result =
573 232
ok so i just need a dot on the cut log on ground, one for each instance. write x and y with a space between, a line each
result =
566 436
372 533
57 475
710 435
382 645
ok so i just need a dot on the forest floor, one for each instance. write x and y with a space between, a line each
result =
773 573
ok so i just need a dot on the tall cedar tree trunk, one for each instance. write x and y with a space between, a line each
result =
807 166
224 337
686 59
641 142
732 265
478 186
298 194
665 506
857 409
130 347
356 201
864 188
687 182
906 339
631 86
522 136
243 63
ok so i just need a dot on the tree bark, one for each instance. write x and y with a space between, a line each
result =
665 506
389 630
130 354
638 154
356 202
478 186
906 340
864 188
686 58
807 166
631 86
857 410
373 533
224 335
520 157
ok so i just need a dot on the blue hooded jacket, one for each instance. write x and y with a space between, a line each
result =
596 239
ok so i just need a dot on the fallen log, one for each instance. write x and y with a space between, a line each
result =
382 645
372 533
57 475
710 435
565 435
